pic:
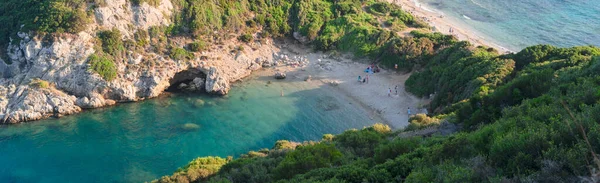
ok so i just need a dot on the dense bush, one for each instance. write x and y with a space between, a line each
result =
43 16
112 42
177 53
103 66
420 121
246 38
308 157
537 124
196 170
198 46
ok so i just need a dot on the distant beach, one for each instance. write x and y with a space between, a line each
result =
512 25
444 24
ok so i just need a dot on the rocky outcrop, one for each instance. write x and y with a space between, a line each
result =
216 83
280 75
62 62
23 103
301 38
121 15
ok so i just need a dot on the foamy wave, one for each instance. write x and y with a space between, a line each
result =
418 4
477 4
466 17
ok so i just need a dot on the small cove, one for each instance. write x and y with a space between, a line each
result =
136 142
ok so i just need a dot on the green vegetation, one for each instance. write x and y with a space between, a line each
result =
197 46
198 169
39 83
246 38
420 121
112 42
103 66
530 116
150 2
43 16
330 25
177 53
526 117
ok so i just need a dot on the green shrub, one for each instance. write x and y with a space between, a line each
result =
307 157
328 137
284 144
48 16
39 83
246 38
380 8
395 148
420 121
150 2
198 46
103 66
180 54
361 143
142 38
196 170
112 42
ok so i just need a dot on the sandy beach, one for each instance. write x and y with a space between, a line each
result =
340 74
444 24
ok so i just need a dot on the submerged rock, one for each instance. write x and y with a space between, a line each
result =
199 103
190 127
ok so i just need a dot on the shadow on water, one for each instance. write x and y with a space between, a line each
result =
136 142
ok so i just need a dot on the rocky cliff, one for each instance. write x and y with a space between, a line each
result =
68 85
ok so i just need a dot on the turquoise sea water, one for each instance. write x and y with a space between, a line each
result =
516 24
138 142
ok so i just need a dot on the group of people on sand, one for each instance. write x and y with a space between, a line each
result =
370 71
390 91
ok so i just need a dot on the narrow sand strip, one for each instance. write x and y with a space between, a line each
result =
443 24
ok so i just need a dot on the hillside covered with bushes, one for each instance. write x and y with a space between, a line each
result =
530 116
527 117
366 28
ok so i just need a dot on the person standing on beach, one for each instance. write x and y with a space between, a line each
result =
409 111
367 78
389 92
396 88
359 80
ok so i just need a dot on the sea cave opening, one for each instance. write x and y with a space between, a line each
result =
191 80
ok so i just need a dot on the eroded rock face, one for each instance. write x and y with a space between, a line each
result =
28 103
216 83
120 14
301 38
62 63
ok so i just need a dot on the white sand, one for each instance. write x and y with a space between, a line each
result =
444 24
372 96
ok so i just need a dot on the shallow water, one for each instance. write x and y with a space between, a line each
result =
141 141
516 24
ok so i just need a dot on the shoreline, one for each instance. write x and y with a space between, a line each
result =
339 74
443 24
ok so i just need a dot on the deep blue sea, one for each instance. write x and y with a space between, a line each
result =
137 142
516 24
